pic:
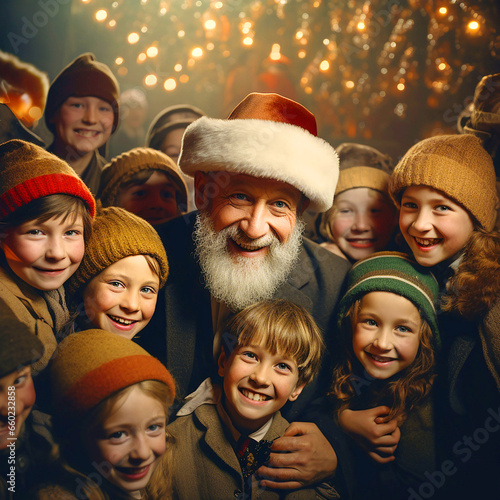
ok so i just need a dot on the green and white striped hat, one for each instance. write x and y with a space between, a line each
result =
397 273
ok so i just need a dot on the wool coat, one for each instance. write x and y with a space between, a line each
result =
181 335
467 396
28 306
206 466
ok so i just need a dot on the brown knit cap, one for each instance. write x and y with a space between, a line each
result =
456 165
91 365
85 76
123 167
116 234
28 172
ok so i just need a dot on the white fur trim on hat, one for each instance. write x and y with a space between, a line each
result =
263 148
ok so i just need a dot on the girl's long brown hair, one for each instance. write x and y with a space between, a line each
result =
405 391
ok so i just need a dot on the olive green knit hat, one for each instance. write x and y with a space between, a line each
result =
397 273
117 234
91 365
456 165
123 167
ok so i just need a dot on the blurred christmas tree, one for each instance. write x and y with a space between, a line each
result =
381 72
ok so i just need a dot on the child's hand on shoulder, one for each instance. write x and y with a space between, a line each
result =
370 430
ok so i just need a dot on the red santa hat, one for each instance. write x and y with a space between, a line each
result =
266 135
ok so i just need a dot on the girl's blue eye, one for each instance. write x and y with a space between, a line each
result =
283 366
250 355
116 284
371 322
148 289
443 208
403 329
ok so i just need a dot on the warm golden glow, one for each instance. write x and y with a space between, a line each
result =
473 25
151 80
101 15
35 113
133 38
443 11
400 86
210 24
112 23
349 84
361 26
302 54
184 78
442 66
152 51
119 60
324 65
170 84
248 41
141 57
197 52
178 67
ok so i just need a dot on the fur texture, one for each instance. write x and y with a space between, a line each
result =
263 148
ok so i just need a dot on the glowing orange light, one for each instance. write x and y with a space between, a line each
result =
184 78
119 60
210 24
178 67
324 65
349 84
151 80
361 26
400 86
197 52
112 23
302 54
133 38
101 15
442 66
443 11
141 57
152 51
248 41
473 25
170 84
35 112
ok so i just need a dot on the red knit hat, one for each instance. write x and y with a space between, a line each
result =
90 366
85 76
266 135
28 172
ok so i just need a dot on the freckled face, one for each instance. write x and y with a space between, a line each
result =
83 124
386 334
45 254
362 222
122 298
434 226
130 442
155 200
256 385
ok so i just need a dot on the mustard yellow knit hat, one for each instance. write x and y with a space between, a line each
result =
117 234
456 165
91 365
123 167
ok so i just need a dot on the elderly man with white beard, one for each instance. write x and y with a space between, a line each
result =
255 174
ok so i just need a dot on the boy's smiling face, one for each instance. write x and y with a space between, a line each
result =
256 385
434 226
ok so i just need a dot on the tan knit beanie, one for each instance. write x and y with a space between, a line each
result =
85 76
91 365
117 234
123 167
28 172
456 165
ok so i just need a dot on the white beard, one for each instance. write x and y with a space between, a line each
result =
242 281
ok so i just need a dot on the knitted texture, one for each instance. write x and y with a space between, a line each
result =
456 165
397 273
123 167
178 116
18 346
28 172
117 234
268 136
90 366
85 76
367 177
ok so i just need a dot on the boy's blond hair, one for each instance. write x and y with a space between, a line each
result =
281 327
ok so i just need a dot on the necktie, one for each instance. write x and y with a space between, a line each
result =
252 454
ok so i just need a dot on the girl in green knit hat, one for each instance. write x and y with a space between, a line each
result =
388 325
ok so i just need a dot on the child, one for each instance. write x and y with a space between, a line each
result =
46 213
363 217
271 350
389 328
111 402
145 182
25 441
82 113
117 284
445 186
